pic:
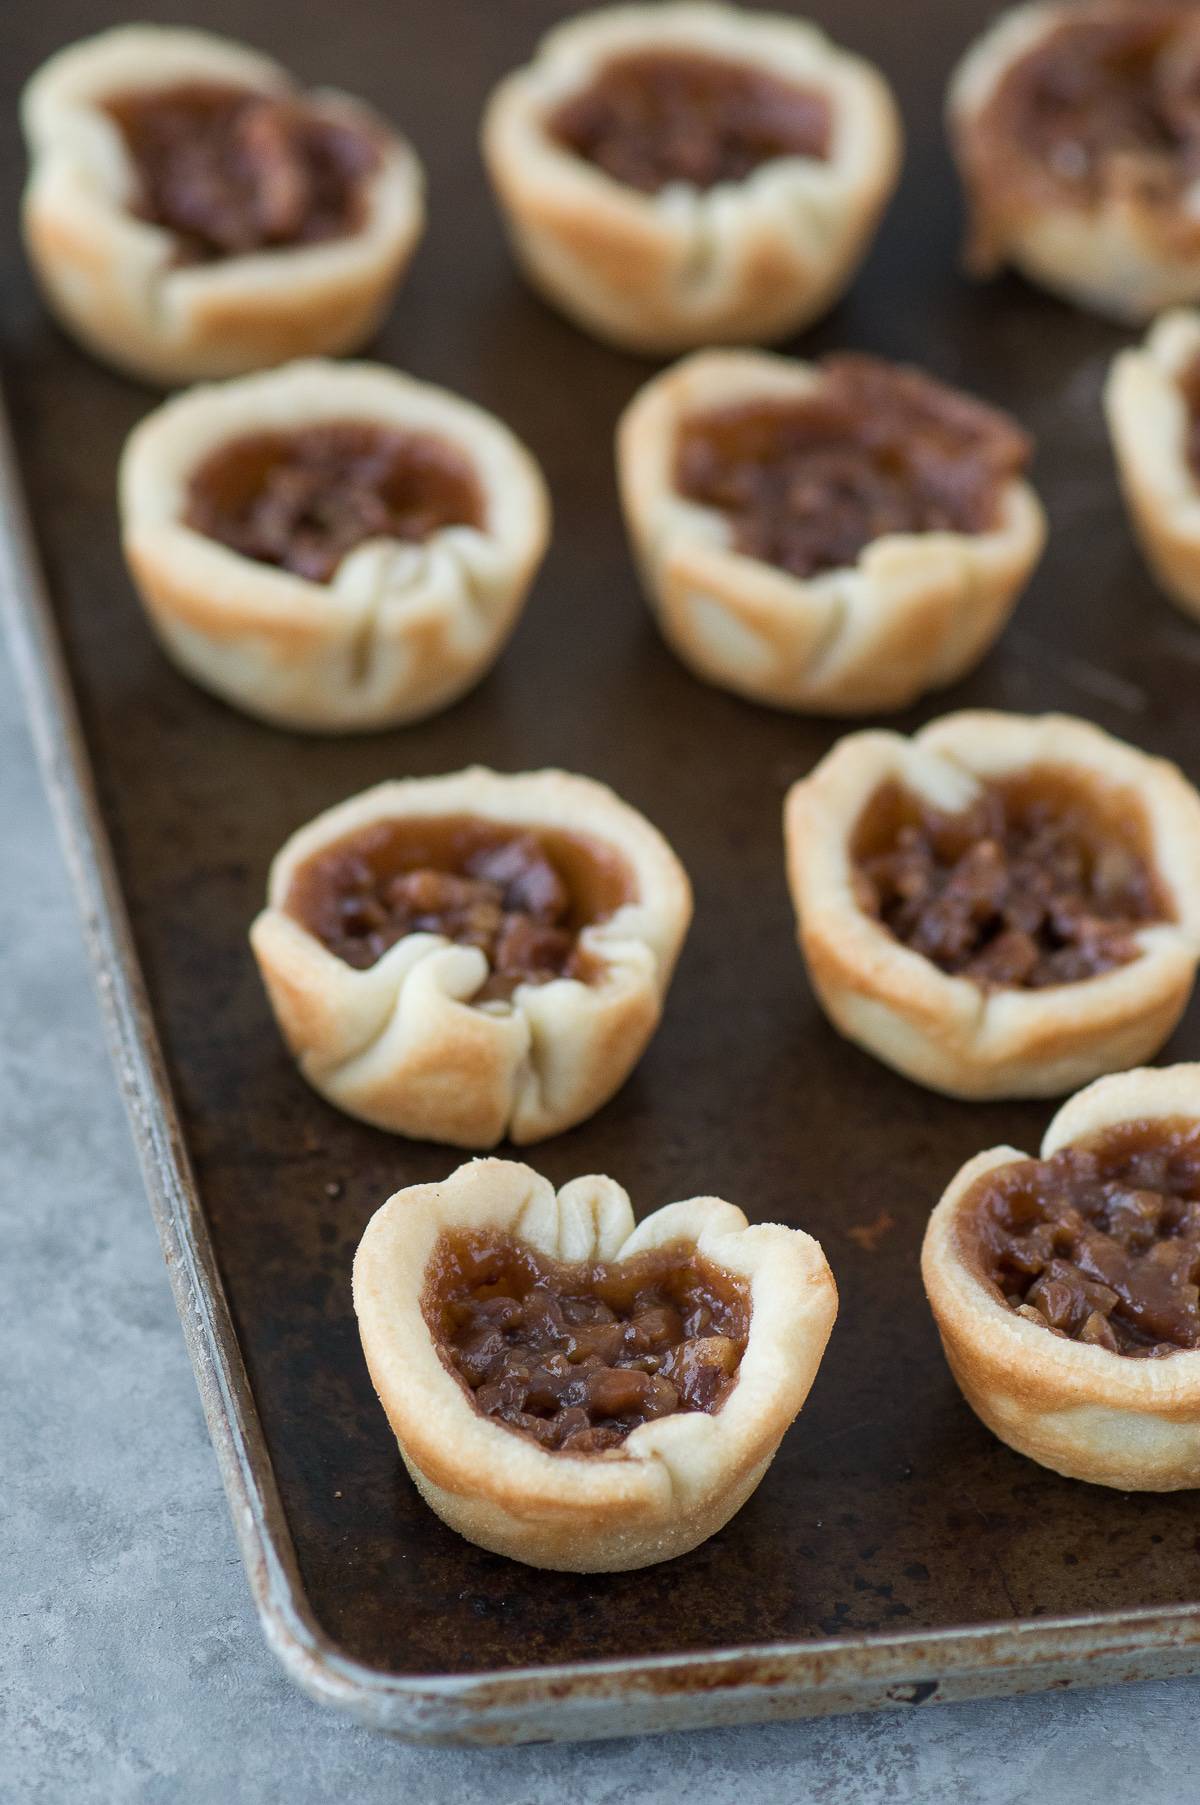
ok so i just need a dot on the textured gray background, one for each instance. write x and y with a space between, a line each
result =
131 1668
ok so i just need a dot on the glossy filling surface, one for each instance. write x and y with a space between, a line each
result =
1033 885
1105 106
876 448
651 118
1101 1242
303 500
523 897
230 171
578 1356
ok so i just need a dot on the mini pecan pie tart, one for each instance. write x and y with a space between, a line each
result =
191 213
838 536
462 958
1077 132
331 546
575 1392
1152 399
1002 906
1065 1287
678 175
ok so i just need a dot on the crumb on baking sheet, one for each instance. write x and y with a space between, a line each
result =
868 1235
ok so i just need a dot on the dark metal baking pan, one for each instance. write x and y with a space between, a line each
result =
896 1552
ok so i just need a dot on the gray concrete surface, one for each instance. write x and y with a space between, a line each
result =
131 1667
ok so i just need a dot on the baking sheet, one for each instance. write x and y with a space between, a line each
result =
896 1552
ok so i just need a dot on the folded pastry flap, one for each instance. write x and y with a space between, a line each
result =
588 1219
852 801
432 1038
697 566
573 1021
695 1221
401 1237
322 1004
216 590
449 585
1145 1095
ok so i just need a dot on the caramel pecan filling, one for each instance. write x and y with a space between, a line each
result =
230 171
875 448
579 1356
1027 888
1101 1242
650 118
303 500
522 897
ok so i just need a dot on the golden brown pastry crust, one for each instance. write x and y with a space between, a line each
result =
1148 422
399 631
947 1032
1078 1409
737 264
915 612
672 1483
112 278
400 1045
1114 258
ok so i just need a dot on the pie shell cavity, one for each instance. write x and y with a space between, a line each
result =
661 273
401 630
673 1482
915 612
1081 1410
1111 258
1149 422
400 1045
113 279
947 1032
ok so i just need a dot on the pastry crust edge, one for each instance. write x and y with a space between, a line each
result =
740 263
673 1483
945 1032
916 612
1083 1411
400 1046
399 631
108 276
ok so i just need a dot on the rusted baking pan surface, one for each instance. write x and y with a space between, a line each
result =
896 1552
